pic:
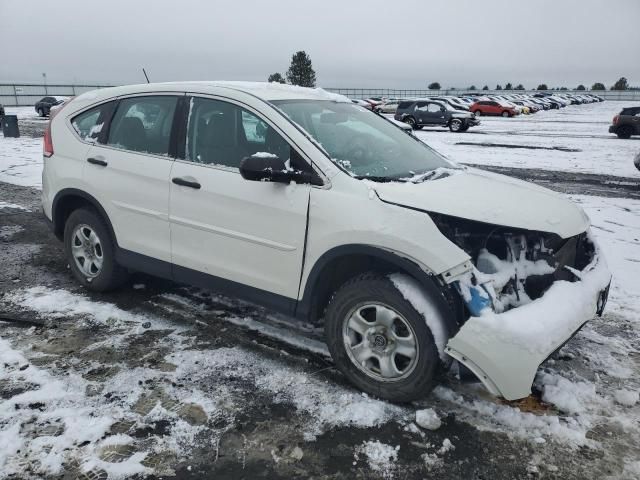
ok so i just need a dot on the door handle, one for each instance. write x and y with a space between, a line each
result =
97 161
185 183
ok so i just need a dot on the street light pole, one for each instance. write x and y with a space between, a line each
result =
44 77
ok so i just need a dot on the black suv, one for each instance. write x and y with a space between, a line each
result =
626 123
431 113
43 107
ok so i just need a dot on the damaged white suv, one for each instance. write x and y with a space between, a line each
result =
301 201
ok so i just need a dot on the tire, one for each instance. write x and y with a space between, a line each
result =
455 125
411 121
368 294
464 128
40 112
505 114
624 132
109 275
478 113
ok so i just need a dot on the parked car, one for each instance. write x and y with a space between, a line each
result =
431 113
407 260
1 110
626 123
388 107
44 105
636 161
493 107
362 103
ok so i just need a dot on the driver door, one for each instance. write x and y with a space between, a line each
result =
236 232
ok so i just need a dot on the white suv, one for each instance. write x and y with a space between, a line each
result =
301 201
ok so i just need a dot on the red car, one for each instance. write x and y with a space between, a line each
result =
491 107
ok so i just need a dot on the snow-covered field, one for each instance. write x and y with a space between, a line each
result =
142 387
573 139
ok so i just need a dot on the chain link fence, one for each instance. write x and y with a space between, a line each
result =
27 94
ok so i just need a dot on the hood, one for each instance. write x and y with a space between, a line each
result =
490 198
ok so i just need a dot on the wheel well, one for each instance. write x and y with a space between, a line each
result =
66 203
340 268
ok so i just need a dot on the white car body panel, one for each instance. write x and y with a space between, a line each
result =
253 233
512 202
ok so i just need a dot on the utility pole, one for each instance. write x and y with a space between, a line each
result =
44 78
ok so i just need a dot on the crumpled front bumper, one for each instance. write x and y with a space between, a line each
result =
504 350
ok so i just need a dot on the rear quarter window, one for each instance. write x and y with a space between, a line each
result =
89 124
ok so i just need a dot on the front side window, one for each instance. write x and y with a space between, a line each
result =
89 124
221 133
143 124
361 142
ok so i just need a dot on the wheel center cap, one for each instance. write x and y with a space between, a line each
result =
379 341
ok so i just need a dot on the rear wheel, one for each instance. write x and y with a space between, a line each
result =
624 131
90 251
478 113
411 121
379 341
505 114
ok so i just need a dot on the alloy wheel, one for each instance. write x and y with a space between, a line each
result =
380 342
87 251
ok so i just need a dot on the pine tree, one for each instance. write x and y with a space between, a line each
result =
498 87
301 71
486 87
276 77
508 86
519 87
621 84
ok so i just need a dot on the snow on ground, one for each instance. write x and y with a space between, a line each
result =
573 139
21 161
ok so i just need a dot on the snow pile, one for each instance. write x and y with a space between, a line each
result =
21 161
428 419
380 457
625 397
567 396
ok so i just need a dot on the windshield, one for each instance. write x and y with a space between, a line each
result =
361 142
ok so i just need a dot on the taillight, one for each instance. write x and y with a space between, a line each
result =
616 119
47 147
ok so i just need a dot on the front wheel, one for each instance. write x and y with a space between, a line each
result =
455 125
40 112
90 251
379 341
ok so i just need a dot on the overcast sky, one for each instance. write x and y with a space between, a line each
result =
372 43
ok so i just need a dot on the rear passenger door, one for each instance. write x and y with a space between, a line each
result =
128 170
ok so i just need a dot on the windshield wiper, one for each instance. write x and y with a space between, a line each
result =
375 178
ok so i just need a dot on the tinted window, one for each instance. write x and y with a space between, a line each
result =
143 124
433 108
48 100
404 105
421 105
221 133
89 124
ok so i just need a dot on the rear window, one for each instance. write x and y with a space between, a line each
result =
404 105
89 124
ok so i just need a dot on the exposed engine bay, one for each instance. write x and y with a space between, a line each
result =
512 266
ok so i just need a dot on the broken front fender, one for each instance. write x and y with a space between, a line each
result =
504 350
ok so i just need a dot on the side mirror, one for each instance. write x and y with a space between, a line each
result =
270 168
